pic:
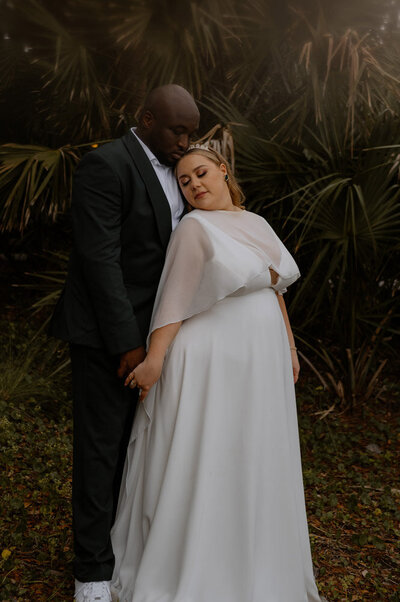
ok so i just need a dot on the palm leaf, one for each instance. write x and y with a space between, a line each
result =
34 180
179 42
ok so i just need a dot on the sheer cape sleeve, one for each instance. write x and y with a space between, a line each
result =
212 255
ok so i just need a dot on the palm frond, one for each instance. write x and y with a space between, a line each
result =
34 180
177 42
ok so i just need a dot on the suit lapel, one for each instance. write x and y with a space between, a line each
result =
156 193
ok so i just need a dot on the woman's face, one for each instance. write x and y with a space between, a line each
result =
203 183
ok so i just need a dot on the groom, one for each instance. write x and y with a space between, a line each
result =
125 203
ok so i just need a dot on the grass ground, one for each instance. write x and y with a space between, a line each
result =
351 466
351 476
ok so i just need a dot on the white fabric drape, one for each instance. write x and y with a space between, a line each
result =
216 254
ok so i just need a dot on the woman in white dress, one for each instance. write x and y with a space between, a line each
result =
212 506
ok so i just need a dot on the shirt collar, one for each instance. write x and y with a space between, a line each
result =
152 158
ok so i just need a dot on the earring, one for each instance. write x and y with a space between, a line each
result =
226 178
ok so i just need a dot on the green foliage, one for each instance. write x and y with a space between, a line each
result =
177 41
31 368
48 284
35 444
325 172
311 99
35 182
350 465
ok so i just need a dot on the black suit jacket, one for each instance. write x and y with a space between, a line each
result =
121 228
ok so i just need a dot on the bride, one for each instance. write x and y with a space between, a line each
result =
212 507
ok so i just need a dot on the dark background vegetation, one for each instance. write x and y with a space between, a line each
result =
306 97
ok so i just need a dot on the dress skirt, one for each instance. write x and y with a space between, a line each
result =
212 505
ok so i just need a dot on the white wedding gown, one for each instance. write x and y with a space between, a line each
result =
212 507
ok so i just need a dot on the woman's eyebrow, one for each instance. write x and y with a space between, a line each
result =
184 175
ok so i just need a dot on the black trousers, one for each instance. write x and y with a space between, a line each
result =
103 415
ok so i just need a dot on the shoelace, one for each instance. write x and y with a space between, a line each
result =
97 590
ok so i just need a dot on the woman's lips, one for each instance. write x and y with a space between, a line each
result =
200 194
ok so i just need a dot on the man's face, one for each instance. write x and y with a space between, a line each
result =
169 133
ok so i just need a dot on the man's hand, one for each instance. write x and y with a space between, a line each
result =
129 360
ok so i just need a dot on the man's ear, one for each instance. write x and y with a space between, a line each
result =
147 119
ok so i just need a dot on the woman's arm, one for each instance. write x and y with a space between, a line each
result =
149 371
293 351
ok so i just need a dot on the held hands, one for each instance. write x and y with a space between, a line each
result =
130 359
295 364
147 372
144 376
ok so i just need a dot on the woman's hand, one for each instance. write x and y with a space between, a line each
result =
144 376
295 365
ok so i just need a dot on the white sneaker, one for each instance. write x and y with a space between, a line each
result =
93 591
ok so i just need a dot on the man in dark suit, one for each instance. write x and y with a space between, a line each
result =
125 203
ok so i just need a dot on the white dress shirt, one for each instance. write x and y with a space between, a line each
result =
168 182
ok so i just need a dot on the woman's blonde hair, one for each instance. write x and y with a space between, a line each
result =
235 191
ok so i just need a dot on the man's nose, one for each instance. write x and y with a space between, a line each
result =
183 141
